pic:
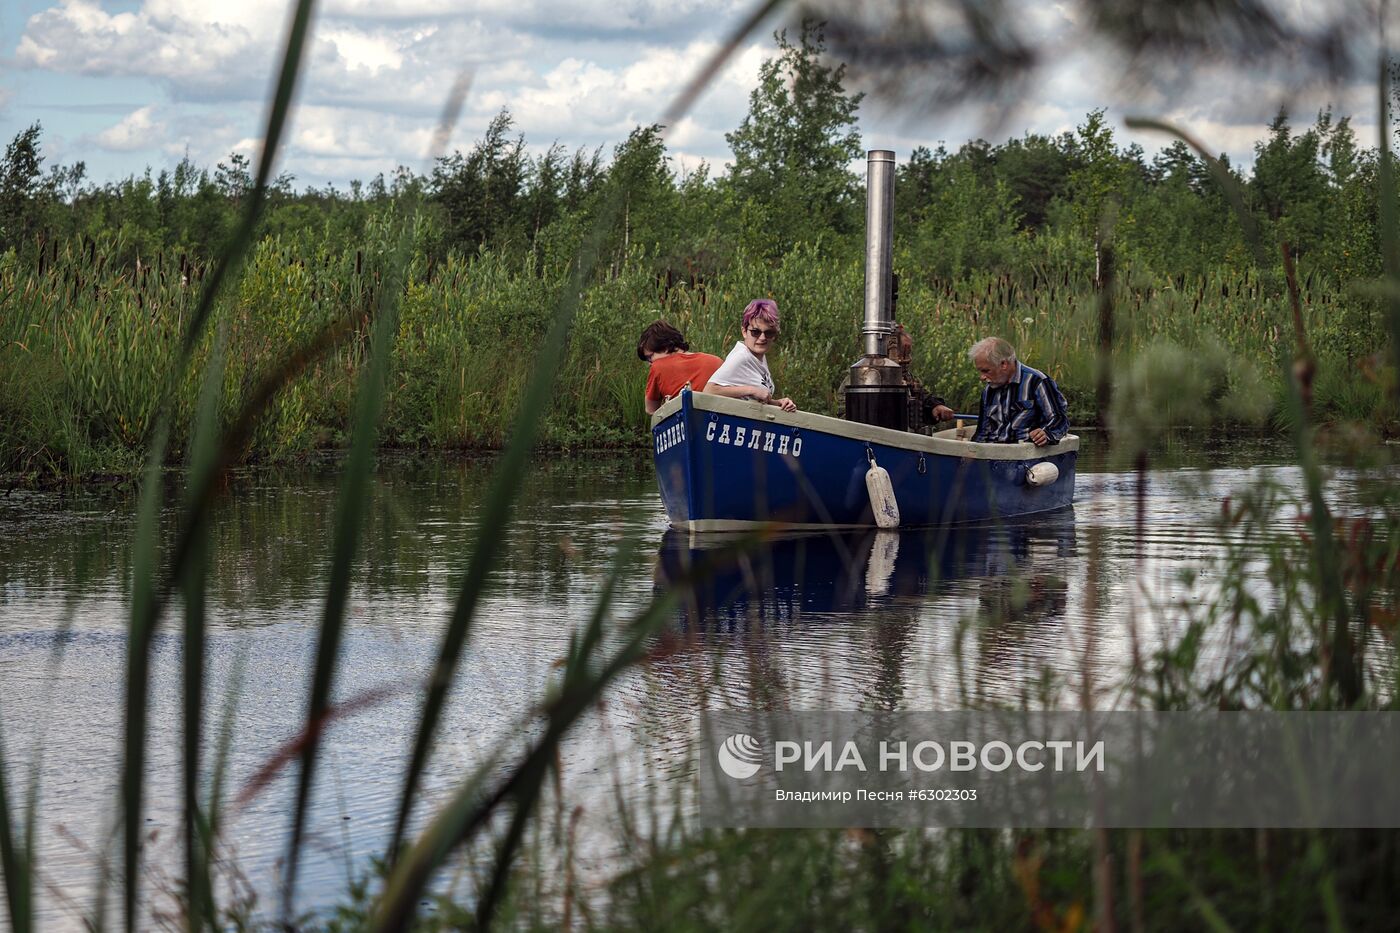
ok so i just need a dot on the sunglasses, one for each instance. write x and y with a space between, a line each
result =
758 333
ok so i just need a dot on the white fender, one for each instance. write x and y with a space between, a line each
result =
1042 474
882 500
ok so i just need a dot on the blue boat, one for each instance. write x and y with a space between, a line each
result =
727 464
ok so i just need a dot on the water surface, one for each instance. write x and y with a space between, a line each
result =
1036 613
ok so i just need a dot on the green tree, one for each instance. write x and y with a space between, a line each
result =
914 184
793 151
126 214
481 192
647 190
1289 187
1348 209
1096 185
1037 170
1183 222
544 192
20 188
234 178
1338 149
194 212
584 175
969 225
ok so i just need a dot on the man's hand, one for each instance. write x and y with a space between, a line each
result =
1039 438
786 404
943 413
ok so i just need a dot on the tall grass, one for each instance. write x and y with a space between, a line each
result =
302 351
1245 631
162 379
90 345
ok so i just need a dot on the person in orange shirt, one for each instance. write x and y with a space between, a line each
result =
673 366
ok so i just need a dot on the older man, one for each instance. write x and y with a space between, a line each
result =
1018 403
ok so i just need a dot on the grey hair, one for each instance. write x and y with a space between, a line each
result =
996 350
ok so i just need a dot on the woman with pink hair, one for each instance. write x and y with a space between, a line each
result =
744 373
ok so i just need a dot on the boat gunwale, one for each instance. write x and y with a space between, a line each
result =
945 443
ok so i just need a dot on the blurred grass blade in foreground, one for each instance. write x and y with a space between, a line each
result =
352 505
475 802
144 600
202 459
16 855
509 473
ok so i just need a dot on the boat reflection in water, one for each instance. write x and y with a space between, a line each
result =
902 619
742 582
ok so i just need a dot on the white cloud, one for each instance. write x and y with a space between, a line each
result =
79 37
581 102
373 93
342 133
211 49
207 136
582 72
261 18
360 49
137 130
591 16
686 132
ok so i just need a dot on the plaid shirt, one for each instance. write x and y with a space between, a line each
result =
1029 400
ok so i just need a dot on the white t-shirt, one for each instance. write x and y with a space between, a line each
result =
742 368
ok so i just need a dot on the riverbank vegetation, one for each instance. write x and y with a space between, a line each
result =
97 281
114 351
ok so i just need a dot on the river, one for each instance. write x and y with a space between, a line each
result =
1042 613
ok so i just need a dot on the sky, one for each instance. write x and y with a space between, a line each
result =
127 84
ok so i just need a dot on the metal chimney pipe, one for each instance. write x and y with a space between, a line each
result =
879 249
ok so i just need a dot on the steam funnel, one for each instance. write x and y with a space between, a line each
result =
877 392
879 250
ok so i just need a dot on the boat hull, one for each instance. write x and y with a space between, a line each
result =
723 464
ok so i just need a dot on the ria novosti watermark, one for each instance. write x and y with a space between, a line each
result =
929 756
1049 769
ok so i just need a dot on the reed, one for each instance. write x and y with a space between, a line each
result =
277 355
90 347
17 850
211 391
1281 655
